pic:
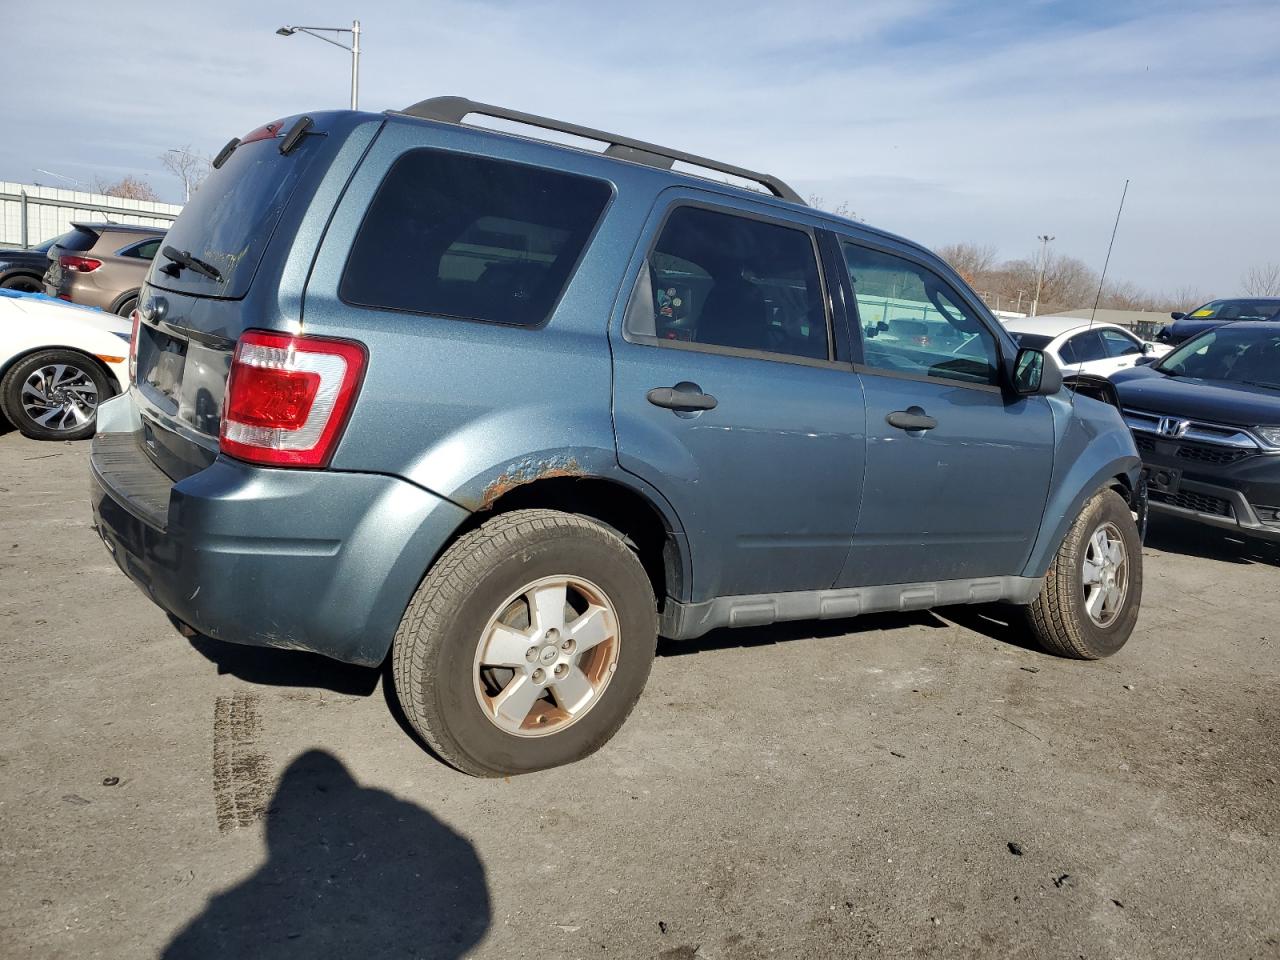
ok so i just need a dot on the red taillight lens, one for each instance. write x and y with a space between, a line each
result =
264 132
78 264
136 318
288 398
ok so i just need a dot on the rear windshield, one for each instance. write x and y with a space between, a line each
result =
231 216
463 236
77 240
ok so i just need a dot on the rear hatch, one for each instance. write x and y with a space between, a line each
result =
200 294
79 239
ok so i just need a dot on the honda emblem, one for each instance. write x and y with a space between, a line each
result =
1172 427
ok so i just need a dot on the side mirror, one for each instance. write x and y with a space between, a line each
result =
882 326
1147 348
1177 314
1144 361
1035 374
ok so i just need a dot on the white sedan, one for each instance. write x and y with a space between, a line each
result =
57 363
1100 349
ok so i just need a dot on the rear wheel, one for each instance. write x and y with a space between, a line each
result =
125 306
54 395
527 644
1089 603
23 283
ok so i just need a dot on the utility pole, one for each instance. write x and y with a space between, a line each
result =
354 50
1044 262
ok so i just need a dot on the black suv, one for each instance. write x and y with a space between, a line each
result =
1206 419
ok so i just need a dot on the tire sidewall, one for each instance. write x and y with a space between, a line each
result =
11 399
1104 641
450 678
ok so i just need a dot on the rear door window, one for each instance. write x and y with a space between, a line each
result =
724 280
146 250
462 236
1084 348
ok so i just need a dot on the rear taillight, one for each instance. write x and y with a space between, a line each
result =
288 398
77 264
136 317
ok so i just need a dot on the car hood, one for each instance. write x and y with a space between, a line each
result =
1212 400
33 308
1187 328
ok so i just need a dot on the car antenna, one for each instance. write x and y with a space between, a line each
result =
1103 278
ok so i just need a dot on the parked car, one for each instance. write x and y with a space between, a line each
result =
58 362
502 411
1217 312
23 269
1081 347
102 264
1207 423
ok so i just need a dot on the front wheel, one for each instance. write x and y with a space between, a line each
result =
54 395
1089 603
527 644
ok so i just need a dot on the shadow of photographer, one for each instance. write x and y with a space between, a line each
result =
350 872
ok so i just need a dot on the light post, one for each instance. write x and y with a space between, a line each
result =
354 30
1044 262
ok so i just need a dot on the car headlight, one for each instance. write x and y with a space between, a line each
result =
1269 435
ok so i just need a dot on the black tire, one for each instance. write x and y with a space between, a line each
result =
125 307
434 654
11 401
23 283
1058 617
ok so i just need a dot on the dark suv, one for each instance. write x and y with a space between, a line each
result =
1207 422
498 412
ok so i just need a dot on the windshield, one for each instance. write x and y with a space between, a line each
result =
230 218
1031 341
1236 310
1233 354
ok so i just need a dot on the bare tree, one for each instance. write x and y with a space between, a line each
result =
188 166
973 261
129 187
841 209
1262 280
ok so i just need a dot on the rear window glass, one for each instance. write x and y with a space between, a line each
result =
77 241
232 215
463 236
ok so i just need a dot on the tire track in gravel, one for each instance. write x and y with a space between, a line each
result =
241 773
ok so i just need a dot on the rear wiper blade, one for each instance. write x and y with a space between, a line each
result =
183 258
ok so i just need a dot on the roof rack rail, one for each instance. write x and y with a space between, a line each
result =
454 109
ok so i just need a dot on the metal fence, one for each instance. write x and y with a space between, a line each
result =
30 213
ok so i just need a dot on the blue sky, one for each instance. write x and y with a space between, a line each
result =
940 120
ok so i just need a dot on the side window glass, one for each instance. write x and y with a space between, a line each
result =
913 321
146 250
455 235
1120 344
729 281
1087 347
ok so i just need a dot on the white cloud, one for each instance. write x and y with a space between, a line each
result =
939 121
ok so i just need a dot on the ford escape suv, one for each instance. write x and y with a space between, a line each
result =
498 412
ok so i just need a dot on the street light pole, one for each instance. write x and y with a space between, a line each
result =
1044 262
355 64
354 50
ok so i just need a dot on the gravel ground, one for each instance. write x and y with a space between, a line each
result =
917 785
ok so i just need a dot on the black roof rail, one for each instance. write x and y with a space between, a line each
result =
454 109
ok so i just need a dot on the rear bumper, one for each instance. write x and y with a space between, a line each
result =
298 559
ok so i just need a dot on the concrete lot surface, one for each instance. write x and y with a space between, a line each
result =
833 790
